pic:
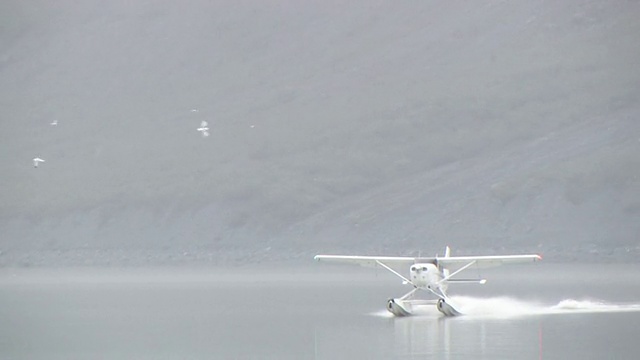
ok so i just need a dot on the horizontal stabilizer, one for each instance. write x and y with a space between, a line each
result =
468 281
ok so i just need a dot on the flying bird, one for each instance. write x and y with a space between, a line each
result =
204 128
54 123
36 161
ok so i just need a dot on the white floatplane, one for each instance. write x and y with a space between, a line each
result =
429 274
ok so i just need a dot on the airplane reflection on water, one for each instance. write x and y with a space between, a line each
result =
496 327
490 328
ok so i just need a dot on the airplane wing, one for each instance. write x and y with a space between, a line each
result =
482 262
366 261
451 263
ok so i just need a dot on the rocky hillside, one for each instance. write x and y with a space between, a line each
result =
360 127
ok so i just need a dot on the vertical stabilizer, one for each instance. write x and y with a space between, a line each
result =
447 253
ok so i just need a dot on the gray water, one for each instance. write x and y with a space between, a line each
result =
318 312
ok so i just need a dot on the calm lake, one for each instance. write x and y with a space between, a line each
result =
540 311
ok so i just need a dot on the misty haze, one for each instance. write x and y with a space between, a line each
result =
368 127
169 169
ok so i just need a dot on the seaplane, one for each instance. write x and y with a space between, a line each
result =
430 275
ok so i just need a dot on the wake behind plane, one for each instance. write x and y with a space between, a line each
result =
431 275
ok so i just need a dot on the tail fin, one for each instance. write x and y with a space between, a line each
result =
447 253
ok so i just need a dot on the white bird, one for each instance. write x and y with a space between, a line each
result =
204 128
54 122
36 161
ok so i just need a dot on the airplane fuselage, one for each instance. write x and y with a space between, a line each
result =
427 276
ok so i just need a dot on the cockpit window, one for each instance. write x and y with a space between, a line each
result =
424 268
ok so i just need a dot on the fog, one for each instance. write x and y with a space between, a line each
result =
367 127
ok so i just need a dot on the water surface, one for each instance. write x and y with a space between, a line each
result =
317 312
